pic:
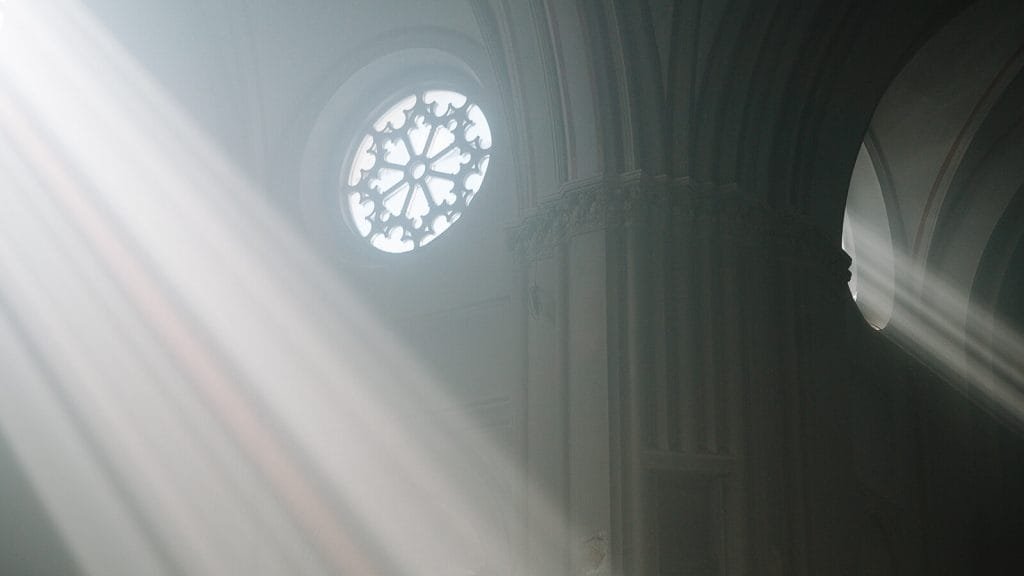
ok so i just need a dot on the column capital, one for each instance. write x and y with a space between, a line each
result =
638 199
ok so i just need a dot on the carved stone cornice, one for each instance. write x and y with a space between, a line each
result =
635 199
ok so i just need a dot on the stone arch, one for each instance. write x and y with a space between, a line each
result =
947 134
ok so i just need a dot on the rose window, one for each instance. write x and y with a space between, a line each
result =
416 170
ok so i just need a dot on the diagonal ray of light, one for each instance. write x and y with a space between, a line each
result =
251 407
932 318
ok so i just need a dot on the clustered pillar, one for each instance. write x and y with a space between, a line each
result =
683 343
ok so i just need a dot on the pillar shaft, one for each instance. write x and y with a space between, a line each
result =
696 327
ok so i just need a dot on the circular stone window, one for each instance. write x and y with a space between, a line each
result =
416 169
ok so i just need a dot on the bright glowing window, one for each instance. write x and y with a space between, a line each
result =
868 239
416 169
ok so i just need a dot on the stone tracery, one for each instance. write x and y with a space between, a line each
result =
417 169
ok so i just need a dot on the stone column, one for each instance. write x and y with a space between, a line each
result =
682 344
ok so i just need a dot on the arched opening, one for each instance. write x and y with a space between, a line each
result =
938 169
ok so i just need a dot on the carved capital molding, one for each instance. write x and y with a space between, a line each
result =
586 206
635 199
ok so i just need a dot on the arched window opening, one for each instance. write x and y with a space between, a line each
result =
867 238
